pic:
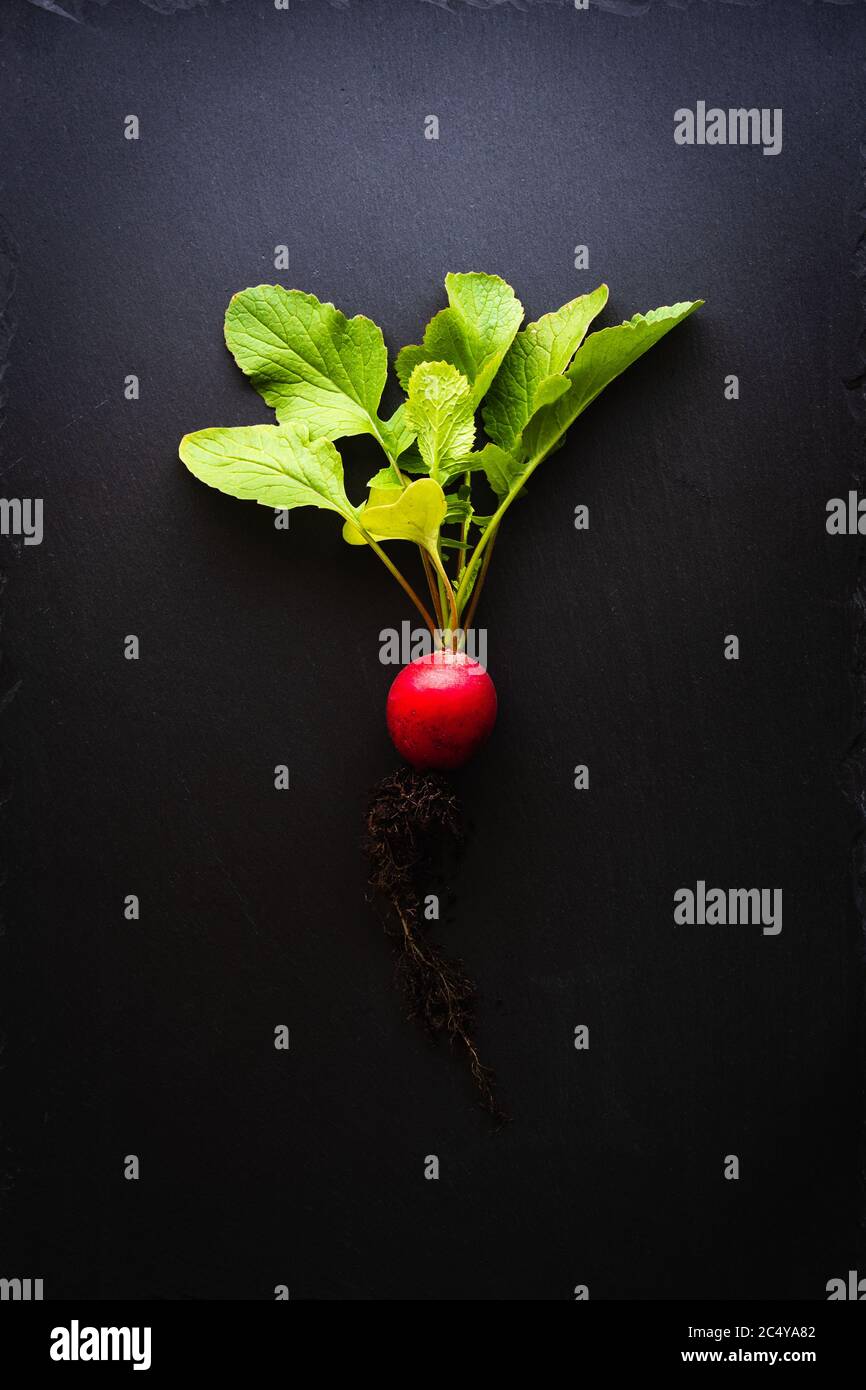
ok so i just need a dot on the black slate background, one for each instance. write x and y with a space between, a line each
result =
156 777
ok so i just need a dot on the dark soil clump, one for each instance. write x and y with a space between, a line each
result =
413 824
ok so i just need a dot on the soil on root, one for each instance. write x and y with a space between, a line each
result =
413 822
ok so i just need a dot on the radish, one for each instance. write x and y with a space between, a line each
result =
324 375
440 709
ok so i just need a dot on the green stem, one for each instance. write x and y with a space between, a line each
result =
444 601
404 583
449 592
476 592
465 587
464 532
433 585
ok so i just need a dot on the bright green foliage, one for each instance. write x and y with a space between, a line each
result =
440 412
310 362
473 333
277 465
531 376
414 514
324 374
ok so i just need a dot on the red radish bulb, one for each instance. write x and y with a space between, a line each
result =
441 708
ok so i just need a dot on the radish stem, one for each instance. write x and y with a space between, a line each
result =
449 592
464 534
476 592
404 583
431 585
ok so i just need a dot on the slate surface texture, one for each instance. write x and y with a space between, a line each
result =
154 777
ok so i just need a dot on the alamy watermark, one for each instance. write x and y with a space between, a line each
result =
846 516
736 126
734 907
21 1290
853 1288
22 516
399 648
76 1343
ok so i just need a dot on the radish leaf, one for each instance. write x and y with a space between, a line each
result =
277 465
550 390
500 468
603 356
325 374
383 482
601 359
440 412
395 435
531 370
416 516
312 364
459 508
473 333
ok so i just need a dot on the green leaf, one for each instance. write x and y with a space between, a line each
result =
383 482
277 465
549 391
440 412
602 358
311 363
530 375
473 333
382 489
459 508
448 544
415 516
500 468
411 461
395 434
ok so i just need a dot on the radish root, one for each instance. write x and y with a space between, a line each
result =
414 818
